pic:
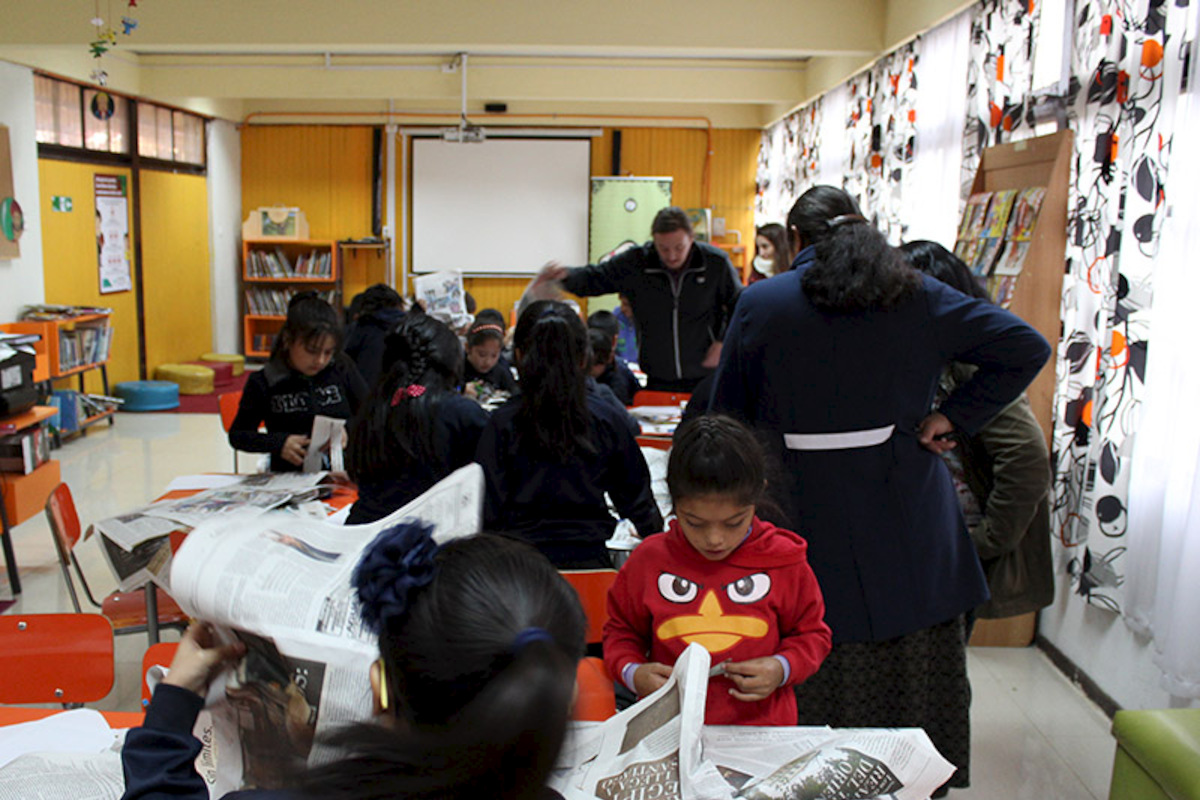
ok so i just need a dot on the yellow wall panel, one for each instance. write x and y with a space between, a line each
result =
71 269
325 170
176 281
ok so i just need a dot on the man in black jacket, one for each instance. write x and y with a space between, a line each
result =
682 292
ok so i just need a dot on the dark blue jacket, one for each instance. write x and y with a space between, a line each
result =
456 428
677 320
500 375
560 508
286 401
885 534
159 757
620 378
365 338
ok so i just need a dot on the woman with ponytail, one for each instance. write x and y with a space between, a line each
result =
479 640
550 454
415 428
836 363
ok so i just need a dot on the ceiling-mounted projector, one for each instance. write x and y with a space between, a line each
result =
464 133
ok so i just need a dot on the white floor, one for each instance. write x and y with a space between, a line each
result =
1034 736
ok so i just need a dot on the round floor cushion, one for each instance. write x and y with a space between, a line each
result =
148 395
192 379
238 362
222 370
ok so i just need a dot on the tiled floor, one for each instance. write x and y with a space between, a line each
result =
1034 735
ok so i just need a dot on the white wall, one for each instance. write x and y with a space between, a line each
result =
21 279
225 231
1102 646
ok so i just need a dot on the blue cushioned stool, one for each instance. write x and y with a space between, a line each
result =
148 395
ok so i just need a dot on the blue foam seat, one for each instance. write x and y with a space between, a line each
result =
148 395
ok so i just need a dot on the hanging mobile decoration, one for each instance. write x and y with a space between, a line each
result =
106 39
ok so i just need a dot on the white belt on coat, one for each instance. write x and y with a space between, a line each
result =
846 440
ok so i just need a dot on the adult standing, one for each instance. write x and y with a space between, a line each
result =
682 293
836 364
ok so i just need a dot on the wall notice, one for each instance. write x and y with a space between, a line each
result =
112 233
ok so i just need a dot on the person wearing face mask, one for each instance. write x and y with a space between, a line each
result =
682 293
772 254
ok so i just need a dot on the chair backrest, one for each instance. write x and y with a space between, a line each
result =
228 403
64 521
596 701
55 658
156 654
646 397
657 442
592 586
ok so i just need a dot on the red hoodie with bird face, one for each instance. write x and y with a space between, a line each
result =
760 601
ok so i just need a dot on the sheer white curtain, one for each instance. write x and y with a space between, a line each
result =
1163 579
932 210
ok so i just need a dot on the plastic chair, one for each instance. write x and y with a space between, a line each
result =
646 397
597 701
55 658
659 442
156 655
125 610
228 403
592 586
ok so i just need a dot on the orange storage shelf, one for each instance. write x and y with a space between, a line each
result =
25 495
48 330
27 419
41 367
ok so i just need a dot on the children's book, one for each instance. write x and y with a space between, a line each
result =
1024 213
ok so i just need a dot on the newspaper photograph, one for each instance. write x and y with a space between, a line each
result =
281 583
147 563
256 493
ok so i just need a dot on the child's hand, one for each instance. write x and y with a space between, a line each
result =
295 447
471 390
755 679
200 657
933 433
649 677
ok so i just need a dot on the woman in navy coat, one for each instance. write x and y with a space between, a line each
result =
836 364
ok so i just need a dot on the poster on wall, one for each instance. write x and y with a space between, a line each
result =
621 213
12 221
112 233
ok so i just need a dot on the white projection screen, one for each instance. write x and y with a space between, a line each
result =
499 206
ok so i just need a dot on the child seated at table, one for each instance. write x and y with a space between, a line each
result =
615 373
306 375
479 641
723 578
486 370
550 454
415 428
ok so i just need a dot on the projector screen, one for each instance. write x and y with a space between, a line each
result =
499 206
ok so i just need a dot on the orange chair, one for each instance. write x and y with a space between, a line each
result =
55 658
659 442
596 701
592 586
649 398
156 654
125 610
228 403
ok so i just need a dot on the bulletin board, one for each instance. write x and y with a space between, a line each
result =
622 211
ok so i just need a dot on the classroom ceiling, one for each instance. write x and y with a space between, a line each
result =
735 64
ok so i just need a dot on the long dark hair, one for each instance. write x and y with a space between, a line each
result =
309 320
394 427
716 455
551 344
488 324
855 268
774 233
935 260
479 647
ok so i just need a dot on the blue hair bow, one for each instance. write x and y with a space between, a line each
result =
398 561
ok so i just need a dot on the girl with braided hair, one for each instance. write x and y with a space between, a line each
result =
479 641
415 428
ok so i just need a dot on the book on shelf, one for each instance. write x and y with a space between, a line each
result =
262 342
86 344
46 312
274 302
276 264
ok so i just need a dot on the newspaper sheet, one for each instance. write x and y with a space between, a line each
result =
281 584
326 438
55 776
660 748
256 493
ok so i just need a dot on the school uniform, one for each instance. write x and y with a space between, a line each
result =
620 378
365 339
287 401
760 601
499 376
606 394
560 507
457 426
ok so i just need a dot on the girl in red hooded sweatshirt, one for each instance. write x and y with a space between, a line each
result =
724 579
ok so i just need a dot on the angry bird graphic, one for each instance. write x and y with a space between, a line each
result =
710 625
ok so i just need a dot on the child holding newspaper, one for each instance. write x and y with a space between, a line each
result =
479 640
722 578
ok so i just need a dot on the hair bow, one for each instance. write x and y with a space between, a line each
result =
412 390
399 561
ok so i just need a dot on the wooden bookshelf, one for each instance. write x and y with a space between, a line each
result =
273 269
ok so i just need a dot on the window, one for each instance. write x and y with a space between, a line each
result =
170 135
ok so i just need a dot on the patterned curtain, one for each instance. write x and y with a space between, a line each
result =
788 162
1127 62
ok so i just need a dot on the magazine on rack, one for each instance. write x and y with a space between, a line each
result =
660 748
281 583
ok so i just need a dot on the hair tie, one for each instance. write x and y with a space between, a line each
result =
845 219
412 390
398 562
529 636
488 327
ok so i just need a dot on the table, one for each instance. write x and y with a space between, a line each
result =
13 715
22 496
